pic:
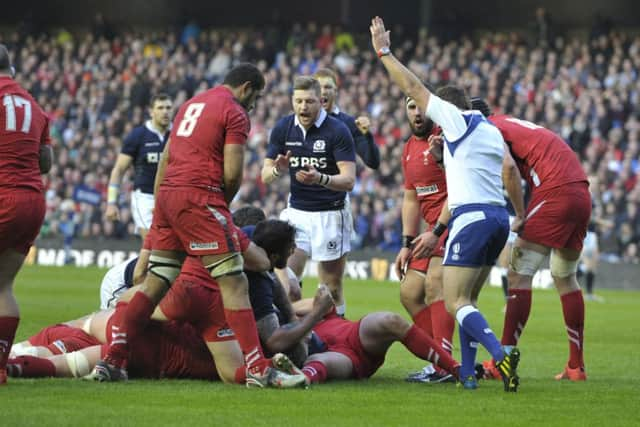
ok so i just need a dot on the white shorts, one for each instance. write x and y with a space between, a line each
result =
142 209
113 285
324 235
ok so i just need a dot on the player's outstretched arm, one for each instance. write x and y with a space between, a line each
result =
409 83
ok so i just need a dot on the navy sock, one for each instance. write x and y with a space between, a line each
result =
468 350
477 327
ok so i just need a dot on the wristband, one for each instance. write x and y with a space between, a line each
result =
383 51
407 241
324 180
112 193
439 229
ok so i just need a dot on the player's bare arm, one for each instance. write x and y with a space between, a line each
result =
233 164
410 227
286 337
511 179
162 166
123 161
409 83
274 168
425 243
343 181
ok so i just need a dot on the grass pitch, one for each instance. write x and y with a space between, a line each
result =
609 397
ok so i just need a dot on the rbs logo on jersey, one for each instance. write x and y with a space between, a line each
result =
303 162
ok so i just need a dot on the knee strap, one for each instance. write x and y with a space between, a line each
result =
561 267
78 364
167 269
232 264
525 261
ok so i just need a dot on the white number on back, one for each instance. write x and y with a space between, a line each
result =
188 122
10 103
524 123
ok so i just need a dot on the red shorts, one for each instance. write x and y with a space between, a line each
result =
201 306
343 336
422 264
21 216
559 218
59 339
194 221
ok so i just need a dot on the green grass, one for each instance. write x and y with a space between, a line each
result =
609 397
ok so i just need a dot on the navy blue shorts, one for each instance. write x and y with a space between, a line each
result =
477 234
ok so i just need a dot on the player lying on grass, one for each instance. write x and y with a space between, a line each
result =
356 350
195 299
165 350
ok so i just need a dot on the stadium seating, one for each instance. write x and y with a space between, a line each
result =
96 90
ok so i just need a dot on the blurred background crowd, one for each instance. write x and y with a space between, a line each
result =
96 86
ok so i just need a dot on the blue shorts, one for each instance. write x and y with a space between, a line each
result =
477 234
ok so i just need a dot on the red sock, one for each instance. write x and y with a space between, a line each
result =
422 320
315 371
8 327
244 326
423 346
518 309
443 325
573 311
31 367
241 375
128 327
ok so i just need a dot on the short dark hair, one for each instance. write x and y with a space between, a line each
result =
243 73
272 234
248 215
327 73
159 97
306 83
455 95
481 105
5 61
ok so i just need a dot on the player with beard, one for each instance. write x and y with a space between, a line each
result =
425 193
199 174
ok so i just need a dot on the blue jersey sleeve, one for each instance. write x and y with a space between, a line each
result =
344 148
131 143
277 140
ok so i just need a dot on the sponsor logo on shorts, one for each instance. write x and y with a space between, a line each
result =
224 333
319 146
456 252
332 245
199 246
293 143
426 190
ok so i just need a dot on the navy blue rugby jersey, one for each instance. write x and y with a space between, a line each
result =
366 147
326 143
145 145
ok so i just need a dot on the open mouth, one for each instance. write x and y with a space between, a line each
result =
324 100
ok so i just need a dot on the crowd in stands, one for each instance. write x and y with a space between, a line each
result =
96 88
